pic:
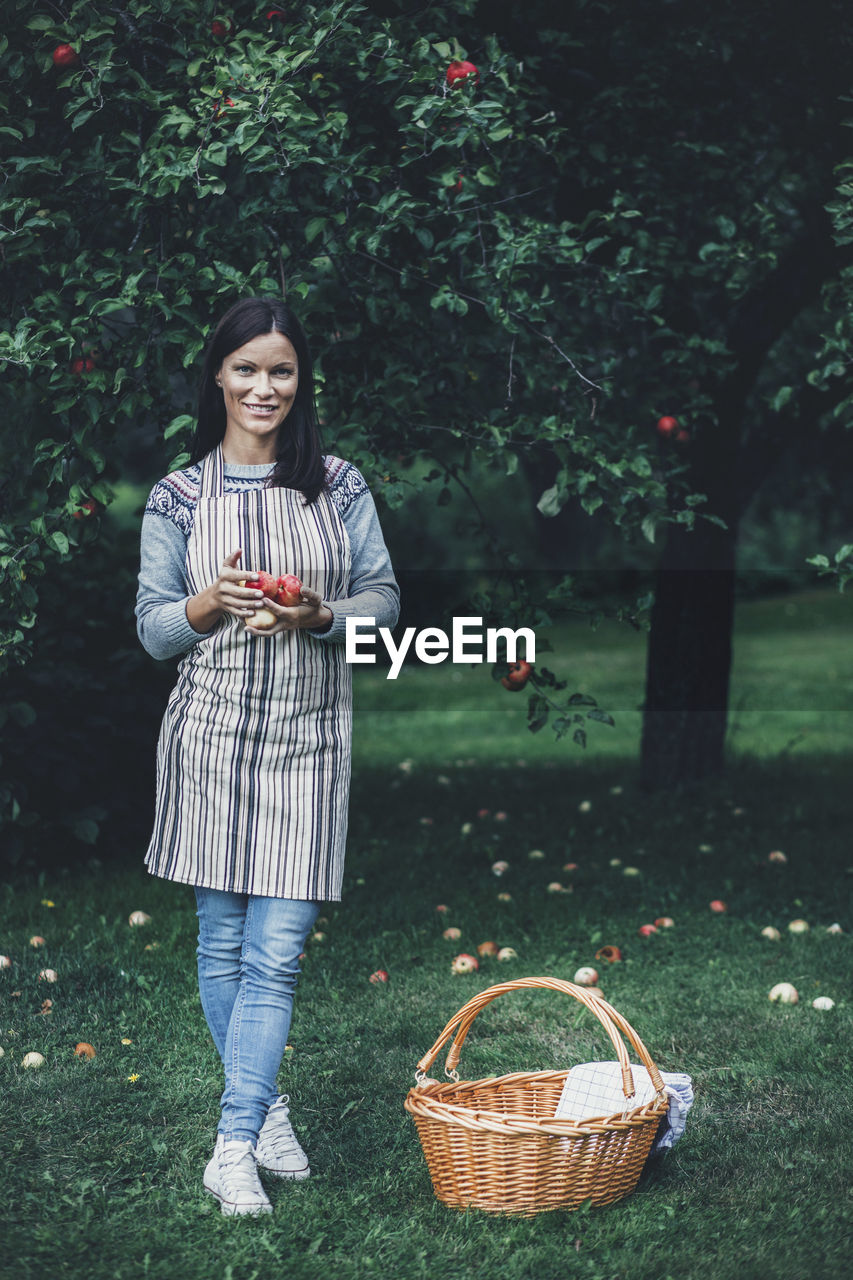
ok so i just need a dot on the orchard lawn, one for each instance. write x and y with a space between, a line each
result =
103 1157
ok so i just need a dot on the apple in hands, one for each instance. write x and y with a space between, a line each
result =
285 590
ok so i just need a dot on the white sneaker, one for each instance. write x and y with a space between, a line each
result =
278 1151
232 1176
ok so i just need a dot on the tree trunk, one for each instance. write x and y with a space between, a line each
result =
689 657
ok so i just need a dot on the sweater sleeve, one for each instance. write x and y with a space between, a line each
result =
161 600
373 590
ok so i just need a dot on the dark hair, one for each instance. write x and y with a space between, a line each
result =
299 462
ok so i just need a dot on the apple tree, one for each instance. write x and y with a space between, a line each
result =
525 265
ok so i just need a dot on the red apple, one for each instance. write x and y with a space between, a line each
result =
718 906
464 963
517 676
267 583
667 426
611 954
221 30
84 1050
487 949
381 975
682 436
288 590
456 186
88 508
222 106
272 14
646 930
459 71
64 56
82 365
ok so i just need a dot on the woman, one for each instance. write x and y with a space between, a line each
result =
253 760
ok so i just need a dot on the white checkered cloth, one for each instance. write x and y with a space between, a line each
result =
594 1089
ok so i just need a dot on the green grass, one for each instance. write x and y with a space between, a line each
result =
103 1174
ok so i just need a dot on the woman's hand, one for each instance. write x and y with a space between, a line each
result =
232 592
310 614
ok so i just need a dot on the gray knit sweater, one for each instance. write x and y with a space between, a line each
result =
161 618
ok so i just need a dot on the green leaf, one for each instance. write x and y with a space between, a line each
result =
648 527
183 422
551 501
59 542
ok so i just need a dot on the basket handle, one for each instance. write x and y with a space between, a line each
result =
612 1021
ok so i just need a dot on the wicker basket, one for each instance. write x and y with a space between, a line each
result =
495 1145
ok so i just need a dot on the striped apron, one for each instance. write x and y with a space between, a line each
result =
253 760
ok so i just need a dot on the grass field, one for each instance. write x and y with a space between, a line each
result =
103 1158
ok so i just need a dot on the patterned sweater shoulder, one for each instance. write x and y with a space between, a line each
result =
175 496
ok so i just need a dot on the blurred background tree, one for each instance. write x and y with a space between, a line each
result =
508 278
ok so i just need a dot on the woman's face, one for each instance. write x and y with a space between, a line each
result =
258 382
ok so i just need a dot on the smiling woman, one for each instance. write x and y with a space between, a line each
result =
259 382
254 753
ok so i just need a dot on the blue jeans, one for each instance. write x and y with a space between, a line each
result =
248 965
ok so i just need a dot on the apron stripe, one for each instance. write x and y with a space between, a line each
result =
254 751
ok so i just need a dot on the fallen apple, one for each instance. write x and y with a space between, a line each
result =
823 1002
611 954
586 976
830 928
784 993
798 926
84 1050
504 897
718 906
137 918
487 949
381 975
777 856
464 963
500 868
37 941
631 871
665 922
32 1060
5 962
646 930
536 855
507 953
570 866
442 909
48 975
452 934
554 887
773 935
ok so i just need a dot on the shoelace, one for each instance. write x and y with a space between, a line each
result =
280 1137
237 1165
